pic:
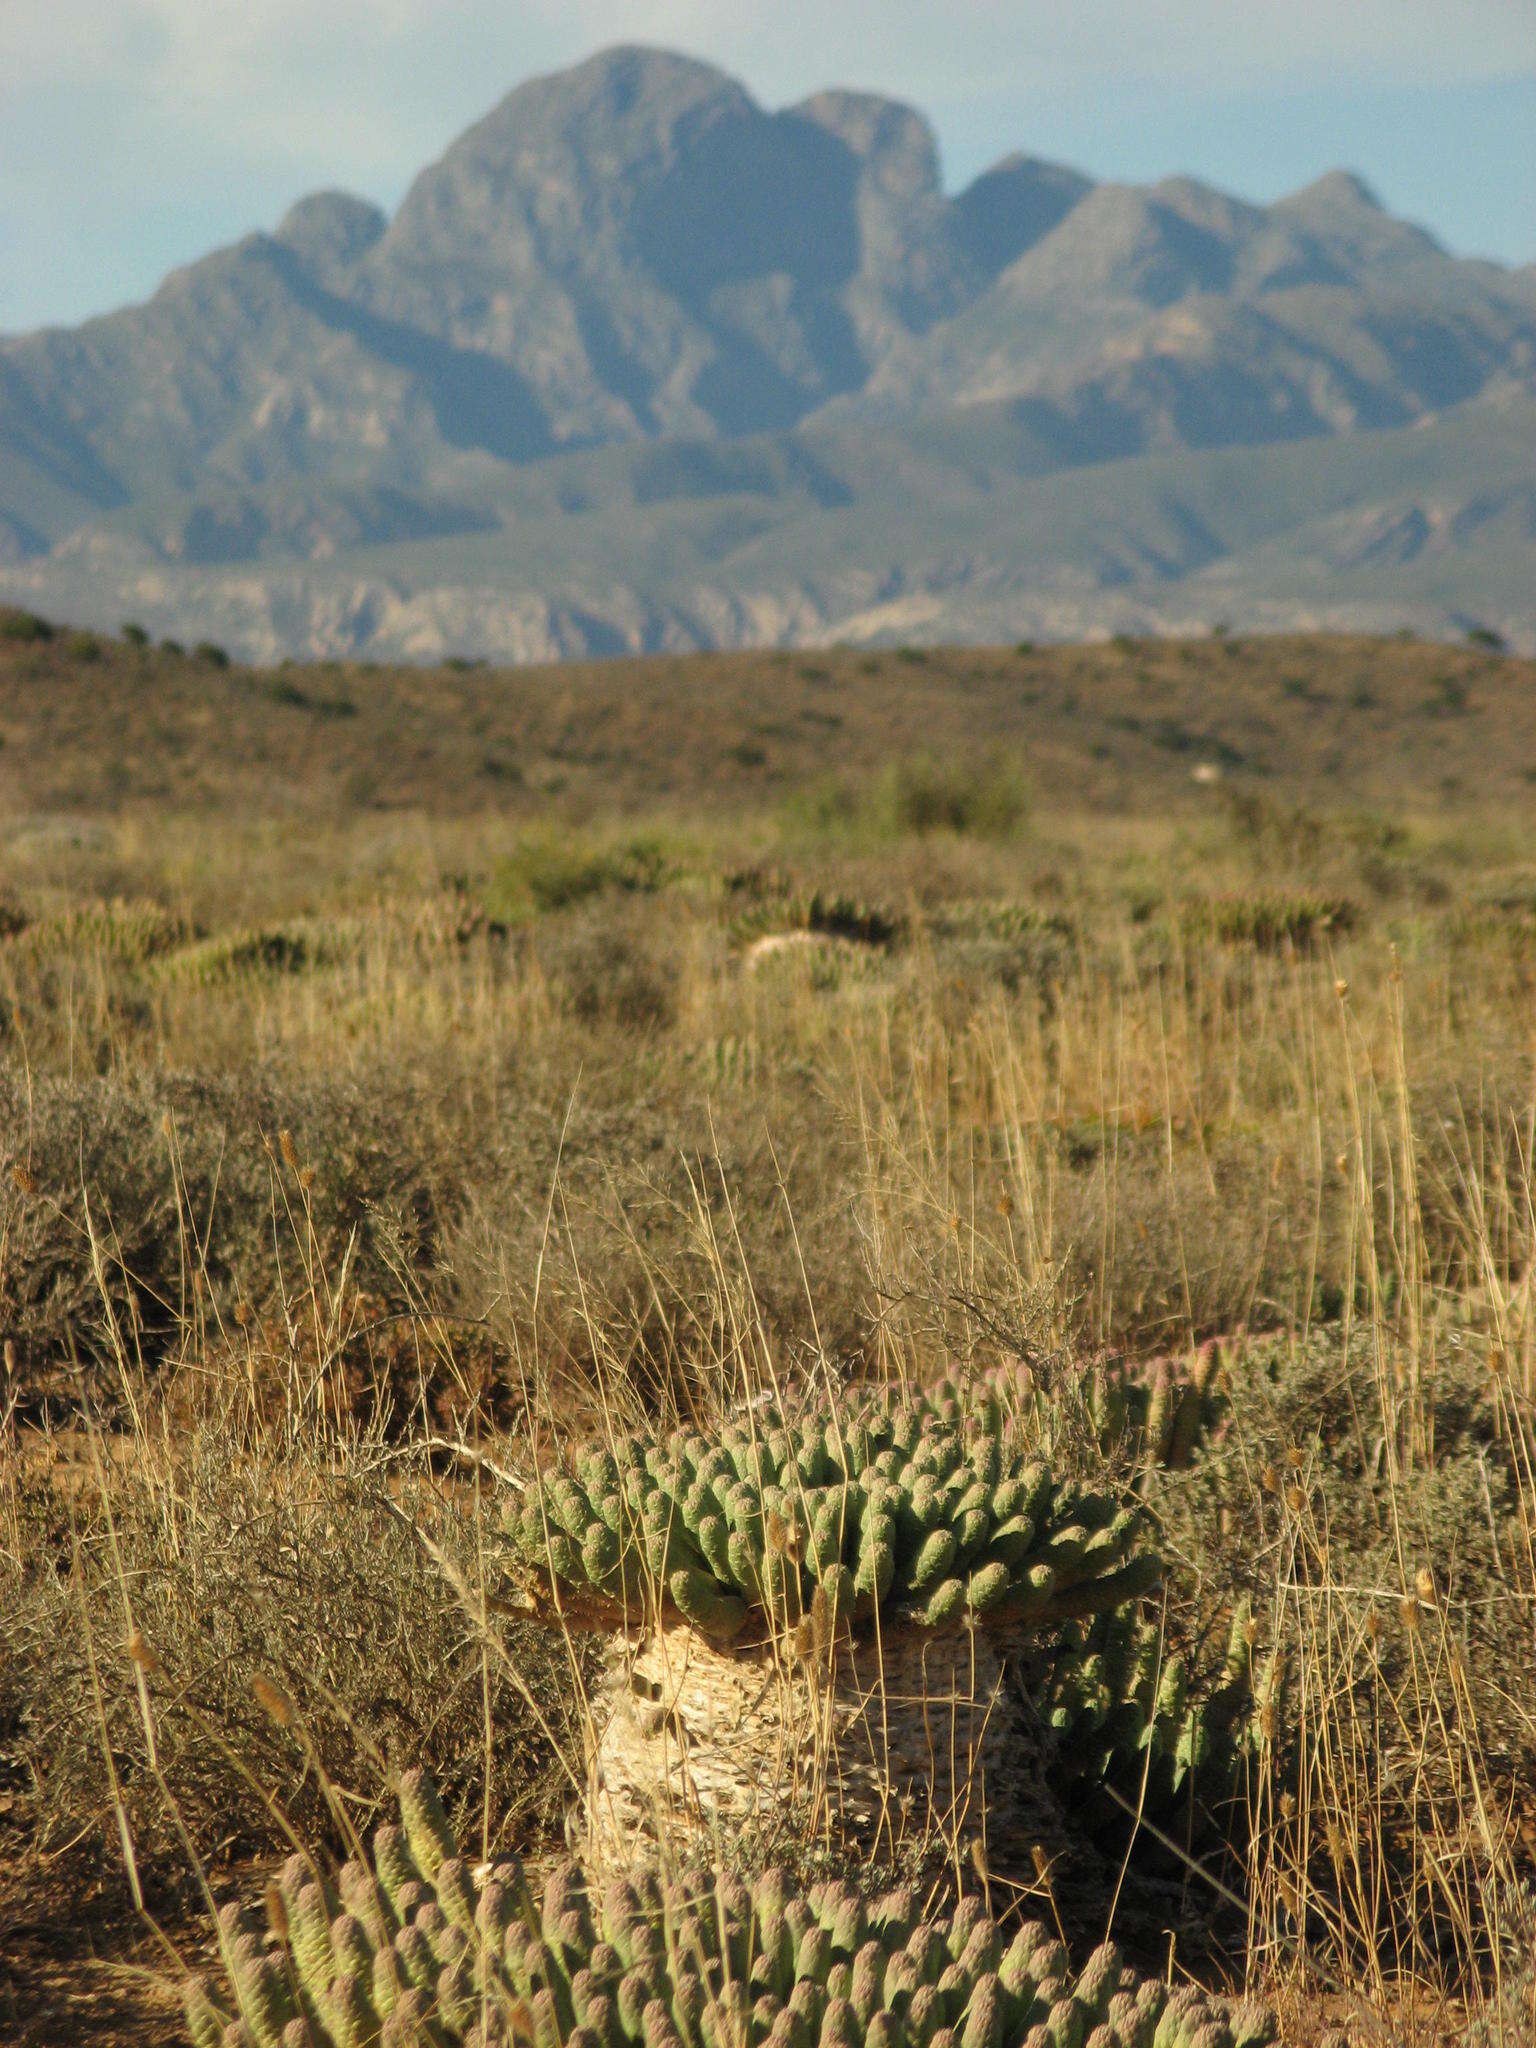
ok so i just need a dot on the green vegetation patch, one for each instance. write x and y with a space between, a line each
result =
762 901
229 956
1270 922
554 871
919 795
24 626
1134 1724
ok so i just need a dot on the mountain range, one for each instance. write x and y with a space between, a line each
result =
641 364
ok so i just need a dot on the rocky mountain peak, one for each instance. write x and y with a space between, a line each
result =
894 144
1337 191
331 229
634 292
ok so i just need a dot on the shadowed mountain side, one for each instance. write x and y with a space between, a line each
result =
477 401
1009 208
662 255
49 471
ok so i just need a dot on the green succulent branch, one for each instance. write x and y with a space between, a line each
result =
912 1510
1155 1416
1161 1416
1126 1714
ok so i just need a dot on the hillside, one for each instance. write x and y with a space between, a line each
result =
92 727
640 364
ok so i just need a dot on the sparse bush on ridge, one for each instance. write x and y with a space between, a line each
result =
23 625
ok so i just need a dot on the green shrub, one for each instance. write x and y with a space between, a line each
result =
291 697
918 797
551 872
24 626
988 802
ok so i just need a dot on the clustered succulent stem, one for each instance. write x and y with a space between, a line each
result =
925 1517
419 1952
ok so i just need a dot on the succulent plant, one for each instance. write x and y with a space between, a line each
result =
1124 1710
701 1960
131 930
914 1510
1154 1415
1163 1414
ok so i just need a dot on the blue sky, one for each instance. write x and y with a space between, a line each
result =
140 133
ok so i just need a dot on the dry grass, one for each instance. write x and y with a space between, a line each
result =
327 1145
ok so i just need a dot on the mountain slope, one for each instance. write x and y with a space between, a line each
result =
778 322
1318 315
956 527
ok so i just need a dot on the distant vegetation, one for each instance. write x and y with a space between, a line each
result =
856 744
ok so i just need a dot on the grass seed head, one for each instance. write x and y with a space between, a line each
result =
141 1653
273 1701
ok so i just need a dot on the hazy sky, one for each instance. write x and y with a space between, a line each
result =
136 134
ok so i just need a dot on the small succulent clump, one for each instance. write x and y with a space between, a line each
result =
130 930
908 1510
416 1953
1125 1711
1163 1417
389 1955
1153 1416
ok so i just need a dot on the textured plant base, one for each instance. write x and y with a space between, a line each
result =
898 1747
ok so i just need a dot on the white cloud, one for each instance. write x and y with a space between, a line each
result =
235 53
137 131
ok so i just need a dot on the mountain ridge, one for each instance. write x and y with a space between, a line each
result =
635 254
